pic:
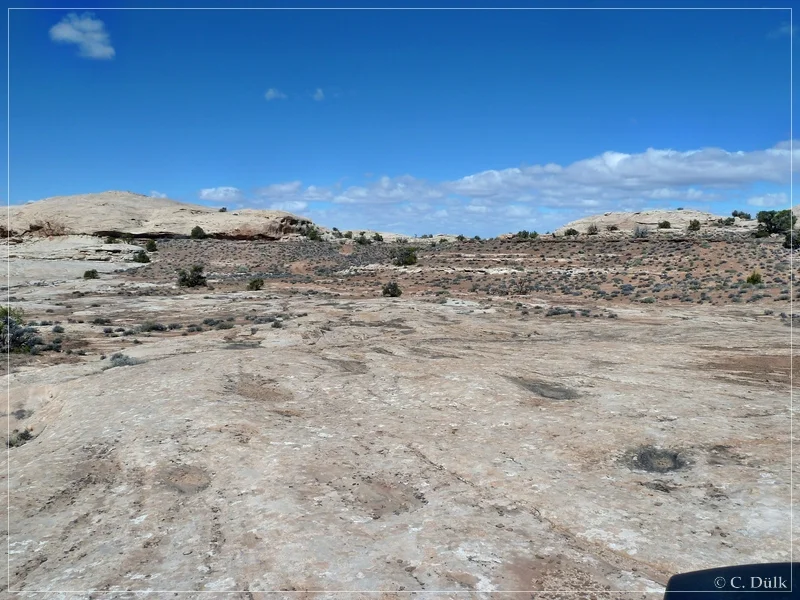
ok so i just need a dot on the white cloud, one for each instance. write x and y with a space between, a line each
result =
280 190
770 200
319 95
85 31
274 94
784 30
547 194
289 206
155 194
221 194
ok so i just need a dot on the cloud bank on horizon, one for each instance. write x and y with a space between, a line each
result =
543 196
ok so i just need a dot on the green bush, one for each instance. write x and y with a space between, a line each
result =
141 257
392 290
151 246
694 225
612 228
14 336
377 237
791 240
91 274
111 240
313 234
362 240
255 284
754 278
198 233
348 235
461 237
741 214
775 221
664 225
592 229
407 255
194 278
640 232
571 232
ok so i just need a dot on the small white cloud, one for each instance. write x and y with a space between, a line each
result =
770 200
221 194
319 95
784 30
280 190
156 194
291 206
274 94
88 33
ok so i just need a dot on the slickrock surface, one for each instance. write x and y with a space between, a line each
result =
490 430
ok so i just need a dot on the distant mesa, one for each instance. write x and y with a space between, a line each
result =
116 213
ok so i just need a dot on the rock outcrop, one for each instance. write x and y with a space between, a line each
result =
117 213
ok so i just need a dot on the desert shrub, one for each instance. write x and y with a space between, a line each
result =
277 324
612 228
775 221
194 278
225 325
526 235
122 360
741 214
592 229
101 321
18 438
754 278
392 290
313 234
58 329
14 336
664 225
791 240
477 238
377 237
152 326
91 274
111 240
172 326
571 231
151 246
694 225
127 238
461 237
407 255
557 310
141 257
362 240
640 232
348 235
223 209
255 284
198 233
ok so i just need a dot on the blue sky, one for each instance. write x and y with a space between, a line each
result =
478 122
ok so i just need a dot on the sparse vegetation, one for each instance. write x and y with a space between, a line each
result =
141 257
91 274
122 360
193 278
612 228
592 229
640 231
313 234
198 233
14 336
151 246
404 256
754 278
694 225
255 284
392 290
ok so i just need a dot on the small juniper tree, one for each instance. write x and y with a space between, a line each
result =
198 233
141 257
91 274
255 284
151 246
694 225
392 290
193 278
